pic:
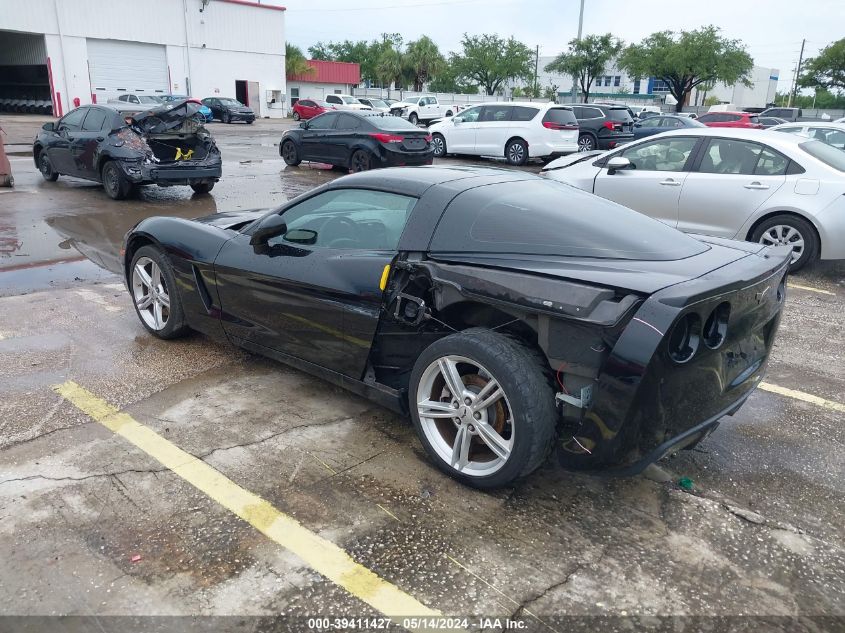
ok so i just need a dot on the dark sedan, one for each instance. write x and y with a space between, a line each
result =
662 123
228 110
165 146
507 314
358 141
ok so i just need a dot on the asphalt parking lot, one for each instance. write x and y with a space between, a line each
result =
144 477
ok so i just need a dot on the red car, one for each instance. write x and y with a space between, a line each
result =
309 108
730 119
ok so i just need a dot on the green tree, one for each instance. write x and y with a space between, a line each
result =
446 81
320 51
295 62
687 59
424 61
489 61
827 69
586 59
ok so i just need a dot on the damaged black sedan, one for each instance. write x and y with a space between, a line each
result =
166 146
508 315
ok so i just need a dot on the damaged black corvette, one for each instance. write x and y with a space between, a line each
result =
508 315
166 146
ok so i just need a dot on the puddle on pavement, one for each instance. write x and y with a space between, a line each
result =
16 281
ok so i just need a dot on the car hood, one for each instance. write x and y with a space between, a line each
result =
571 159
232 219
164 117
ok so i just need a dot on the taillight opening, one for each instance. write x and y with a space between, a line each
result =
716 325
381 137
685 337
609 125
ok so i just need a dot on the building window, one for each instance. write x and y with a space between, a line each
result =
659 86
294 92
607 80
636 86
337 92
616 80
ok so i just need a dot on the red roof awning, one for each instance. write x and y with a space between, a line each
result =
330 73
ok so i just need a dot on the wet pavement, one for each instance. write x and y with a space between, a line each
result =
92 525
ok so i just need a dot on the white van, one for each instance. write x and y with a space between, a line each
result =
514 130
724 107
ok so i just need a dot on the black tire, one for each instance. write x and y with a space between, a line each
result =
438 144
175 325
296 116
522 373
586 143
767 233
516 152
115 183
449 113
360 161
45 166
290 153
226 118
413 119
202 187
250 121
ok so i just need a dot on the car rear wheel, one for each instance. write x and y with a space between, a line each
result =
438 145
155 294
115 183
360 161
296 116
290 153
791 231
483 407
202 187
45 166
414 119
586 143
516 152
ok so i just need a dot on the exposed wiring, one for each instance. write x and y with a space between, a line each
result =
588 451
560 380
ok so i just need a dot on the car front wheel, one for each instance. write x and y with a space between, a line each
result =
45 166
290 153
413 119
155 294
483 407
202 187
793 231
438 145
227 118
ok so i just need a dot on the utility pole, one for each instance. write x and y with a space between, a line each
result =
580 28
535 87
797 74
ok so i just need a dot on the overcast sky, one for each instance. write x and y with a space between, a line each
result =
772 30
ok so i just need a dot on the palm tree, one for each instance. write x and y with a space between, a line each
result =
424 61
389 66
295 62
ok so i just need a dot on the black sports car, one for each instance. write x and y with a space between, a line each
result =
228 110
166 146
506 313
357 141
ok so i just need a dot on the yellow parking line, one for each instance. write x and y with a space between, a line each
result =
320 554
805 397
811 289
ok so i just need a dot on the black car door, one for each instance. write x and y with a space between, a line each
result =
59 147
342 137
85 145
312 291
315 135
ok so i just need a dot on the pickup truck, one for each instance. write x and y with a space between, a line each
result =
423 109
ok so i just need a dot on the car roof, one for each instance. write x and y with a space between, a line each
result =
769 136
730 112
812 124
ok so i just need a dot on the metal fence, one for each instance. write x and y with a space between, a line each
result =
442 97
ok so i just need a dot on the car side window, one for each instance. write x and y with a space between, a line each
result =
731 117
728 156
771 163
332 99
831 136
495 113
94 120
73 119
471 115
661 155
347 218
323 122
523 113
347 122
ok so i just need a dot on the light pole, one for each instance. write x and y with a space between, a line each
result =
580 27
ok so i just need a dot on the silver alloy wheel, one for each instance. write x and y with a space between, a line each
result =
150 293
465 415
438 145
585 144
783 234
516 153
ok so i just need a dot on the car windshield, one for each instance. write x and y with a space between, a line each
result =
378 103
350 100
230 102
392 123
619 114
827 154
542 217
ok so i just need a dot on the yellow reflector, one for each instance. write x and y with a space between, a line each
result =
384 274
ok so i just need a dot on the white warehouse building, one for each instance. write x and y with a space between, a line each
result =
84 51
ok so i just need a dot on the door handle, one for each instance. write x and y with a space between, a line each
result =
669 182
756 185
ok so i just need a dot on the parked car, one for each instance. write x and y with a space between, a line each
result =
376 105
422 109
662 123
618 104
345 102
142 100
229 110
770 121
454 294
205 111
357 140
602 127
830 133
691 115
649 110
514 130
305 109
761 186
164 145
731 119
789 114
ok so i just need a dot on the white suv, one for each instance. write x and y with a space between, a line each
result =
345 102
515 130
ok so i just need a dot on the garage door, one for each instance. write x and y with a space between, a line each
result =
118 67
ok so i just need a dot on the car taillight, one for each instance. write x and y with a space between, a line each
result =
428 138
387 138
609 125
560 126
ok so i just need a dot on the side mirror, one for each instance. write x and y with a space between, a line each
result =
49 127
616 163
457 119
271 226
303 125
